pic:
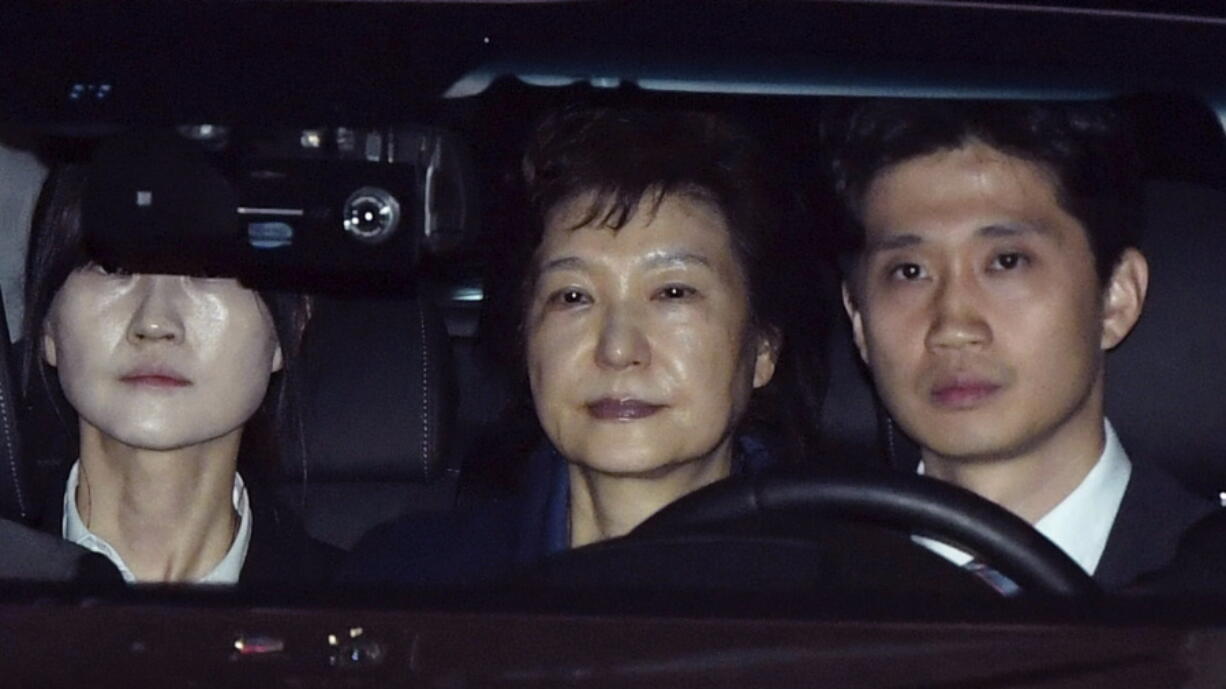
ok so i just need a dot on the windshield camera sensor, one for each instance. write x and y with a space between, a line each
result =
371 214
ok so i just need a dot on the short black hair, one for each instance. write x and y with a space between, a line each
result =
1089 147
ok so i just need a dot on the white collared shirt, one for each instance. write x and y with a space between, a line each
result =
226 571
1081 522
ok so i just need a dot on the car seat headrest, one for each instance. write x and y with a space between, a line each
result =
376 391
16 496
1165 382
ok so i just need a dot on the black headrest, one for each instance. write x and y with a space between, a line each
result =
377 391
1166 384
850 410
16 496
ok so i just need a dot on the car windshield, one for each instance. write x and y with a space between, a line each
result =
713 343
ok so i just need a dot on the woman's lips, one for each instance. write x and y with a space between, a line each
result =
156 380
963 395
621 410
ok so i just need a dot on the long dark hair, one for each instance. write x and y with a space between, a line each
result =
58 246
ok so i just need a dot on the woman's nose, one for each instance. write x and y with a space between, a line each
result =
158 314
622 343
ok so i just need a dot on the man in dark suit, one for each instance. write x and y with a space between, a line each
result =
990 263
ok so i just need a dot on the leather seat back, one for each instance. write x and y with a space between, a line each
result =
379 400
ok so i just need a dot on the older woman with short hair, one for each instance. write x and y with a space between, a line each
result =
649 310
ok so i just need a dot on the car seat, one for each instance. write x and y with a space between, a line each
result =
21 176
378 398
16 496
1166 382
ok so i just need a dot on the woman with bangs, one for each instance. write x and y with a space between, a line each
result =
175 393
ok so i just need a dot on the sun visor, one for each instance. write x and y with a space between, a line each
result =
155 204
297 208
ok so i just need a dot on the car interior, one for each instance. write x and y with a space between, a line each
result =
404 405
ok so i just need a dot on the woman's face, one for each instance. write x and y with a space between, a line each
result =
160 362
640 353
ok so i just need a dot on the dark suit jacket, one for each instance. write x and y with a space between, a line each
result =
1154 515
29 555
1199 566
280 551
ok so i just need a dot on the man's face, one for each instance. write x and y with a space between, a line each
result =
977 306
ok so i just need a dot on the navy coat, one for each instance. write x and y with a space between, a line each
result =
493 540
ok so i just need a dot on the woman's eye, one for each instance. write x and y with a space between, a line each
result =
568 297
1009 261
674 292
907 271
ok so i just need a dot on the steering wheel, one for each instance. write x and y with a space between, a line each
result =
896 501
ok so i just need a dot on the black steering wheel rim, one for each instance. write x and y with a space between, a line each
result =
903 502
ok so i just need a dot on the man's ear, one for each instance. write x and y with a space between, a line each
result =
770 341
49 355
857 324
1124 297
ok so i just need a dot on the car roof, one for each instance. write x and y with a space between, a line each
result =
264 62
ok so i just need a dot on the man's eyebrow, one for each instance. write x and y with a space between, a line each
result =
897 241
1014 229
665 259
907 239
